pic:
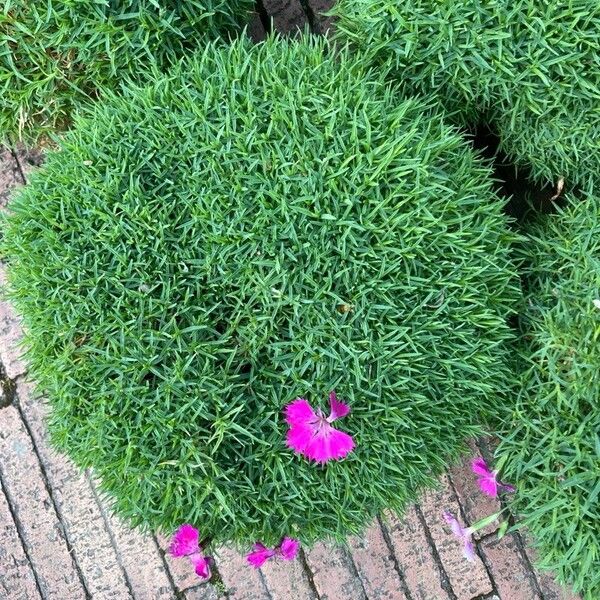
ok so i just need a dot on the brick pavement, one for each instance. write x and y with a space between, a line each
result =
58 540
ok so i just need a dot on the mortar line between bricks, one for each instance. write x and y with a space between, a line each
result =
19 529
309 573
353 568
479 550
48 489
445 581
161 553
109 531
534 578
263 580
388 543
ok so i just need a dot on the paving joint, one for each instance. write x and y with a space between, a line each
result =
445 580
48 489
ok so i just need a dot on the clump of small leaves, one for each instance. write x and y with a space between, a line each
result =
260 225
55 55
528 68
551 448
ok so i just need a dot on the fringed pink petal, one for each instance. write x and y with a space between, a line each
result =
341 444
329 444
184 541
479 467
298 437
299 412
289 548
259 555
201 565
338 409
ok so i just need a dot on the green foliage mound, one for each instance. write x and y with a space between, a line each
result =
530 68
552 446
274 223
54 55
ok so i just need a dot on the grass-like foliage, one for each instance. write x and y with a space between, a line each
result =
54 55
274 223
552 447
529 68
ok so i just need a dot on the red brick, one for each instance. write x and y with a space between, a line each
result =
325 24
287 579
468 579
11 334
17 581
288 15
509 570
76 503
203 592
26 491
256 31
10 175
476 505
375 565
242 581
334 573
552 590
142 561
415 557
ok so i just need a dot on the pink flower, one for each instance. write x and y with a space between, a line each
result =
488 480
289 548
260 554
463 534
185 542
311 433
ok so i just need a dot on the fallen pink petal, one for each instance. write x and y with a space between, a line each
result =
488 479
259 555
184 541
311 434
201 565
464 534
289 548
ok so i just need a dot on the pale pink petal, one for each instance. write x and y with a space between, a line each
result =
338 409
201 565
299 412
479 466
298 437
289 548
488 485
184 541
469 549
259 555
457 530
328 444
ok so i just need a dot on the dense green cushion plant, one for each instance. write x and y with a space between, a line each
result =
552 444
54 55
274 222
529 68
